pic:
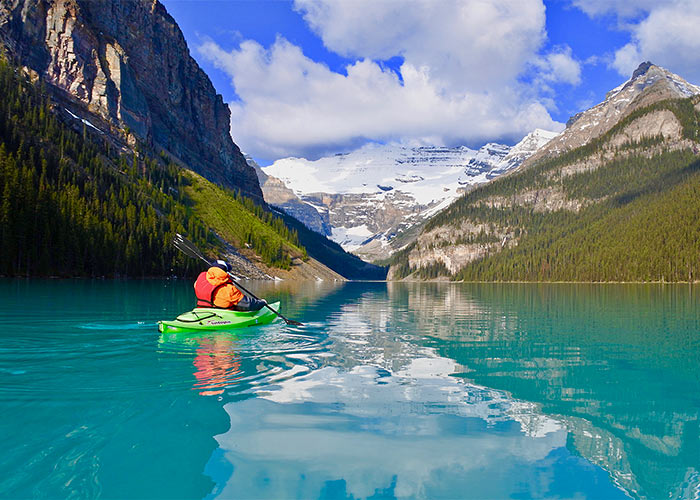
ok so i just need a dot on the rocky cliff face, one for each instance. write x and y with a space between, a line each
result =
127 62
280 196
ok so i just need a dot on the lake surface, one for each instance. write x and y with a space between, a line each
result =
388 391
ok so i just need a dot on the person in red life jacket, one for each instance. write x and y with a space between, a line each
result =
214 288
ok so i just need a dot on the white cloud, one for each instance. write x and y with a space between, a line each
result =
622 8
466 44
667 37
292 105
560 66
627 59
564 68
271 436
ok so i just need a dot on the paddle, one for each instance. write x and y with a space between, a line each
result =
188 248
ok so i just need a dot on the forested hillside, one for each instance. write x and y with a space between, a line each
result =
73 204
624 207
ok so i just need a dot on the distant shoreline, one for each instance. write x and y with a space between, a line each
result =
179 278
554 282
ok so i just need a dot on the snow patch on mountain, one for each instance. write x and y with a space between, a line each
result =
426 173
351 238
374 193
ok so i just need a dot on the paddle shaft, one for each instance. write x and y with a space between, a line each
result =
189 249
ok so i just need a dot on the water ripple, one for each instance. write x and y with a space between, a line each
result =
237 362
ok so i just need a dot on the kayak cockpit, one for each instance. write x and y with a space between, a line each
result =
213 319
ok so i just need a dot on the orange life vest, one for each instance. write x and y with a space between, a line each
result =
205 291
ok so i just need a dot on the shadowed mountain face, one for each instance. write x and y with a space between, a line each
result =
127 63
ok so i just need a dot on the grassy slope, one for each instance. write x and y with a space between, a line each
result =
231 220
237 225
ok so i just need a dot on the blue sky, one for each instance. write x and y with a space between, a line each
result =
314 77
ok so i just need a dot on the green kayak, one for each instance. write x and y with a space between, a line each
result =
210 319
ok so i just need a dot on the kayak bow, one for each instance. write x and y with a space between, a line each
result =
210 319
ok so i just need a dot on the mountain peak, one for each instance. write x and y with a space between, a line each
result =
668 84
649 84
642 69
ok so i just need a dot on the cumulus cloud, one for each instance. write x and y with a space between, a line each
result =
622 8
291 105
458 83
559 66
627 59
466 44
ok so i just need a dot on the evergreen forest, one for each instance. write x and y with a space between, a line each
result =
637 216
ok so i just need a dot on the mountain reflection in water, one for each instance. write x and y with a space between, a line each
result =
493 390
617 364
389 390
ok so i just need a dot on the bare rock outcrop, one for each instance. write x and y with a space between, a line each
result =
455 245
127 62
659 123
546 199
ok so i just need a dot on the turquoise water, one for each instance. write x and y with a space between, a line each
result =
388 391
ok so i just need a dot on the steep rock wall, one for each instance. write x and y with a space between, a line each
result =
127 61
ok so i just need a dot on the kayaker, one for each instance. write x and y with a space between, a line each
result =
214 288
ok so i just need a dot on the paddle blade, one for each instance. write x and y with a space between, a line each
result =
188 248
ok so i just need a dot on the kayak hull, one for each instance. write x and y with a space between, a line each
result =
208 319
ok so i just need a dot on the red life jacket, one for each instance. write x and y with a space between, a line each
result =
205 291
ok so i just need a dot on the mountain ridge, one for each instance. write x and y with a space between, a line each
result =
649 83
569 212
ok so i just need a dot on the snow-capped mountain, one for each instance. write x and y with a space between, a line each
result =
365 198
